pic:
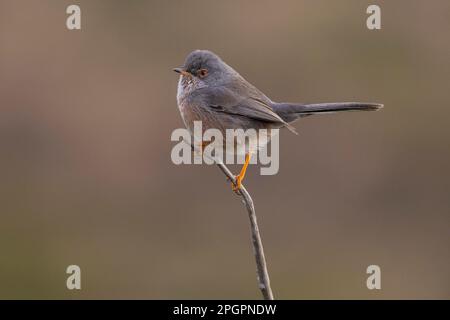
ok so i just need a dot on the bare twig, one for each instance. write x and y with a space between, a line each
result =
258 250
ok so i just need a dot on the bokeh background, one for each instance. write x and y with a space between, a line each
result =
86 175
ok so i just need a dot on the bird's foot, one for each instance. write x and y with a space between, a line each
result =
236 186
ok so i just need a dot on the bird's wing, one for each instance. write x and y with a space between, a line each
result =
222 99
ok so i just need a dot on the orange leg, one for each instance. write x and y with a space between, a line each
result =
202 145
241 175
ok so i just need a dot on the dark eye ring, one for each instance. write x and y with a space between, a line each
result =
202 73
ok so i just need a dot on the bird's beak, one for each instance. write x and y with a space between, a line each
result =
182 72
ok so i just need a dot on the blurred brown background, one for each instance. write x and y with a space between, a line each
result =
86 176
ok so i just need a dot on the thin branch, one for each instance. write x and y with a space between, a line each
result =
258 250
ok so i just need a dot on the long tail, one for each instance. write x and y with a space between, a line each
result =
290 111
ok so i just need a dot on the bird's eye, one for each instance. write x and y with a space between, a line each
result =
202 73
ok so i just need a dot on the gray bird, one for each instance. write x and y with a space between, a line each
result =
211 91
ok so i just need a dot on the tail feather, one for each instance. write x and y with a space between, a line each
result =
290 112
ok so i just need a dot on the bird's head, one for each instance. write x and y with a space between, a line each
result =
203 68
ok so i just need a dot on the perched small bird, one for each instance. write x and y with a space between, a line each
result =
211 91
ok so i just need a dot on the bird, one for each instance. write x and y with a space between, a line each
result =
211 91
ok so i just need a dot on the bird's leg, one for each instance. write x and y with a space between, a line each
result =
201 145
240 177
